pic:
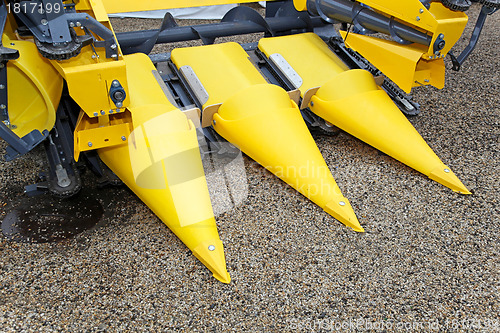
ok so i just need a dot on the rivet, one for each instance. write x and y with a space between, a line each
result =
342 203
124 138
447 170
418 18
90 144
211 248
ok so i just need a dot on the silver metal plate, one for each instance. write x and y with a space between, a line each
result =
286 69
194 83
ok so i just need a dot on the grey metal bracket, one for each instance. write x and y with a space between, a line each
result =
458 61
20 146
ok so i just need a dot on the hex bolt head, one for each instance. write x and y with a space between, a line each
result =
103 112
115 83
3 106
215 123
119 95
2 86
418 18
119 104
96 114
342 203
71 25
447 170
44 22
90 144
78 24
124 138
117 110
421 10
113 46
211 248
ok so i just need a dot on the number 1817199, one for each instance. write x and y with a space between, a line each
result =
31 7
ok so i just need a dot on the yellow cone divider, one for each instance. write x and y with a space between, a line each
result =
267 126
161 163
352 101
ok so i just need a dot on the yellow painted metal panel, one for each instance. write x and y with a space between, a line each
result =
213 62
117 6
308 55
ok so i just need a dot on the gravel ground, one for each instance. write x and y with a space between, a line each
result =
428 260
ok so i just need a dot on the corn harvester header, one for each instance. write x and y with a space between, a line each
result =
94 97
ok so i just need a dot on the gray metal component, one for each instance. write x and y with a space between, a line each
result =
194 83
164 88
458 61
365 18
20 146
286 69
129 40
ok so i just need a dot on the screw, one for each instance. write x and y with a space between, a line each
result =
342 203
117 110
94 56
421 10
2 86
115 83
103 112
441 36
78 24
447 170
418 18
113 46
124 138
211 248
71 25
3 106
96 114
90 144
44 22
119 104
111 111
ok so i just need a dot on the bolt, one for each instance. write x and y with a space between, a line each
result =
114 56
2 86
312 103
94 56
3 106
124 138
115 83
119 95
119 104
71 25
103 112
418 18
211 248
111 111
342 203
113 46
12 44
441 36
117 110
78 24
436 53
421 10
96 114
215 123
447 170
426 80
44 22
90 144
2 65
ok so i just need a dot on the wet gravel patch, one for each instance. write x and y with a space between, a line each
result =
428 260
